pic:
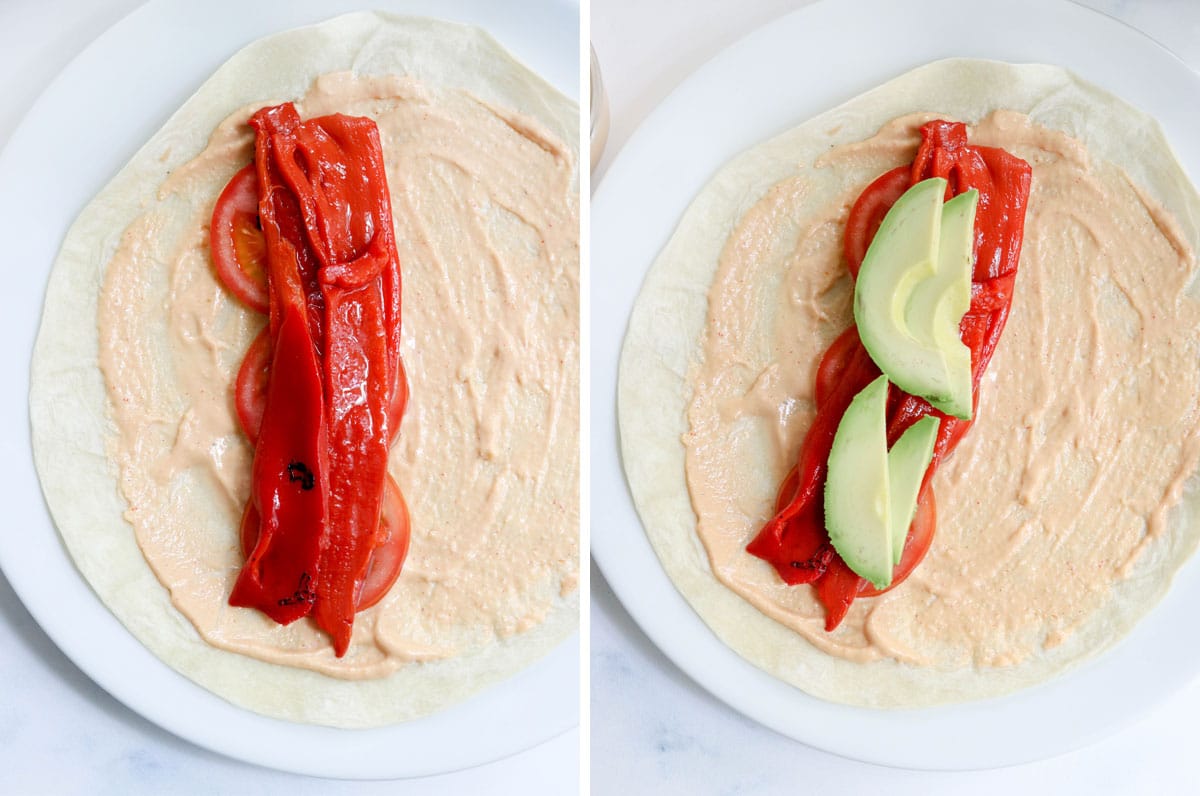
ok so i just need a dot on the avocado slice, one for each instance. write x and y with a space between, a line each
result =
907 462
871 492
911 293
937 305
857 497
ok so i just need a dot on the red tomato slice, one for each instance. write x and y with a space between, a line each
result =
868 211
398 404
250 389
392 549
386 560
833 364
239 250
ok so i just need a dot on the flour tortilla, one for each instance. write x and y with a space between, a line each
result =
668 321
68 397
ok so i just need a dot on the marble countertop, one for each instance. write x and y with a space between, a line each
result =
672 737
59 732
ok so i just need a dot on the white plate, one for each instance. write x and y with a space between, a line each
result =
86 125
796 67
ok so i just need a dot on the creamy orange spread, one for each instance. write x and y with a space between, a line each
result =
1088 421
486 216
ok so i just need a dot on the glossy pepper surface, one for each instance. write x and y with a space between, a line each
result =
334 288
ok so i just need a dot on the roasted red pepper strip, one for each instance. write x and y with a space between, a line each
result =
358 383
794 541
288 501
282 223
334 168
289 492
334 279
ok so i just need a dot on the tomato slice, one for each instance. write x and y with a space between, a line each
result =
868 211
398 404
239 250
387 558
250 389
834 364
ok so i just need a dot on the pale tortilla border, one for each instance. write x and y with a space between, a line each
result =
69 403
665 329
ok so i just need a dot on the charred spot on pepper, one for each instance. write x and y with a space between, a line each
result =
819 561
302 594
298 471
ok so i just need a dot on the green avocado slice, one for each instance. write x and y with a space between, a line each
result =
871 492
911 293
907 462
937 305
857 497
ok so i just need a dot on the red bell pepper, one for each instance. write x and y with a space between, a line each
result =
794 541
288 509
334 290
334 167
287 505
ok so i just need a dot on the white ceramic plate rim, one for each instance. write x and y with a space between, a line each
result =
125 84
829 52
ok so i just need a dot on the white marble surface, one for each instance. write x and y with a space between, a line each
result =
59 732
670 736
